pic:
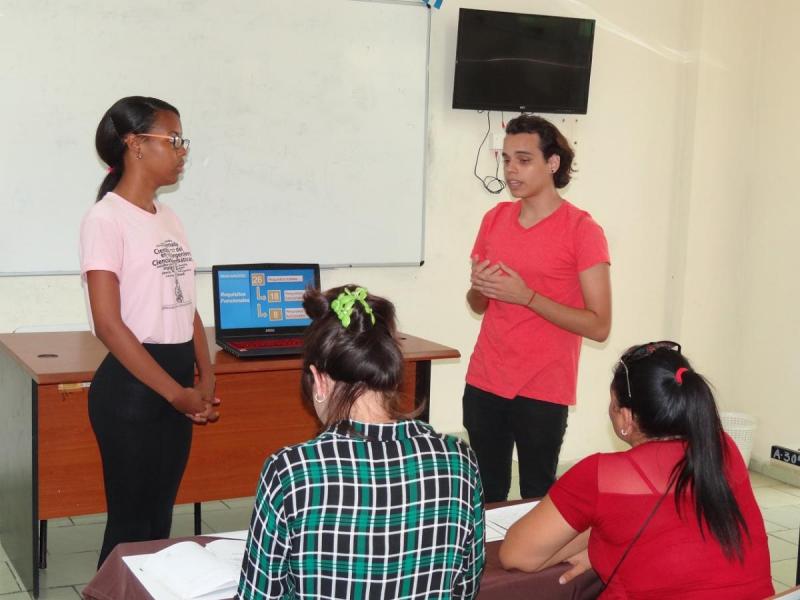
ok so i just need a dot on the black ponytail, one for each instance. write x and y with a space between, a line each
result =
110 181
134 114
683 406
700 474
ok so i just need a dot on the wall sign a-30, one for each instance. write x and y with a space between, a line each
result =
786 455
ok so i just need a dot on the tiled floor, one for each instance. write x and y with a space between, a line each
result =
73 543
73 546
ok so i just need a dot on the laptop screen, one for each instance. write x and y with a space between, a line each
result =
261 298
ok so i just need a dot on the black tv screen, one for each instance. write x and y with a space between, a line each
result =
519 62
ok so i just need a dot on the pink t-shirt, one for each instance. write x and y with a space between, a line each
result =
150 256
519 353
615 493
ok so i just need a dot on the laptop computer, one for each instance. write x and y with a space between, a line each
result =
258 308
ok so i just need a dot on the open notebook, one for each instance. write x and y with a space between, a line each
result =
189 571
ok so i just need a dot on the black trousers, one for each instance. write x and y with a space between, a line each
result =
144 444
495 424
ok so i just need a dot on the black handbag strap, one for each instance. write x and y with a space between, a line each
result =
638 534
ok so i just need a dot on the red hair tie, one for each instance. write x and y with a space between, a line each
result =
679 375
110 169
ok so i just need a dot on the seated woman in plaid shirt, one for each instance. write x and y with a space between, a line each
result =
375 506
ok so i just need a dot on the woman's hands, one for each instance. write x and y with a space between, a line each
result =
580 564
188 401
540 539
207 388
198 403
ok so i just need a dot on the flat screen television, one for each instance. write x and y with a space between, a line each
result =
520 62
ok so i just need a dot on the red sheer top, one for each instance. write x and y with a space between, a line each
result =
614 494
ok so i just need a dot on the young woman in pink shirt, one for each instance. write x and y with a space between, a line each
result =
138 274
540 278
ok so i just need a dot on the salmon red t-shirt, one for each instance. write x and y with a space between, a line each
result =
151 258
519 353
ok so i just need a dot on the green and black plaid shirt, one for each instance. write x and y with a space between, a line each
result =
367 511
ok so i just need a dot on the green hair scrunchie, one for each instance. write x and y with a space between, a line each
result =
343 305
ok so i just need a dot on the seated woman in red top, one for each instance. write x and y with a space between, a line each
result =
674 516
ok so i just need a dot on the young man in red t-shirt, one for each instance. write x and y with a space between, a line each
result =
540 278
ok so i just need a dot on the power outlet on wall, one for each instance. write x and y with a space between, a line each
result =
497 141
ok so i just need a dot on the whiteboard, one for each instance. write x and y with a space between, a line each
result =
307 121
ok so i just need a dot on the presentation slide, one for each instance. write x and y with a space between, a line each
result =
263 299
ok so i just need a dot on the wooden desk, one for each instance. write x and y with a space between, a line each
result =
51 467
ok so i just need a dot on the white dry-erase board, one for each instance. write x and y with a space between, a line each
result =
307 121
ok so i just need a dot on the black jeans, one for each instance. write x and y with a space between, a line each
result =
144 444
495 424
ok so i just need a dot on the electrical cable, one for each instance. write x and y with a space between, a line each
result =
492 184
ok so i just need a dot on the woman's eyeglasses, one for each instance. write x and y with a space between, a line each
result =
176 141
642 351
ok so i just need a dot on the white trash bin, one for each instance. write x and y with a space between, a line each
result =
741 427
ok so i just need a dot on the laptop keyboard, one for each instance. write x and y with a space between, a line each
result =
268 343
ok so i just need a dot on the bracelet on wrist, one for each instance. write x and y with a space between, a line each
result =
533 295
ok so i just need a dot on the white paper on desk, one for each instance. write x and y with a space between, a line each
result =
493 534
155 588
186 570
230 551
499 520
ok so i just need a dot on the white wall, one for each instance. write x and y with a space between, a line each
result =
735 311
662 168
769 377
712 214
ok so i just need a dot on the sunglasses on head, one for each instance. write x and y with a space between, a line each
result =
641 352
